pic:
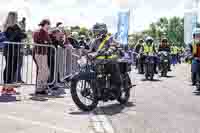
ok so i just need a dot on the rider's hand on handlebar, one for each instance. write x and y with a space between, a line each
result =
91 56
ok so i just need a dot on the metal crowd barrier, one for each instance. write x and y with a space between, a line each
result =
18 66
17 63
67 61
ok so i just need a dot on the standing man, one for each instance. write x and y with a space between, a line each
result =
22 25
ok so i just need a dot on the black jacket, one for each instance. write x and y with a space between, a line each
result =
166 49
14 34
73 42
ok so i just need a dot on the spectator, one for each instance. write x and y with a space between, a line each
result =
57 40
11 52
83 42
20 59
22 24
40 56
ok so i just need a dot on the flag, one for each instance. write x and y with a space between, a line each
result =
123 27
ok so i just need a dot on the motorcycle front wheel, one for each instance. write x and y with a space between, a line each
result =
87 91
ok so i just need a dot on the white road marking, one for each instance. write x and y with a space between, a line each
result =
37 123
101 123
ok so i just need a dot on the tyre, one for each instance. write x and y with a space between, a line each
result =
151 76
88 90
165 73
151 70
146 72
125 91
146 76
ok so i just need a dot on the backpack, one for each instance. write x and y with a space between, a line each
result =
3 38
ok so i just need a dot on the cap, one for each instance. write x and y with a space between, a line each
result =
58 24
44 21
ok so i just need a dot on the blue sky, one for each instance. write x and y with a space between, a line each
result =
87 12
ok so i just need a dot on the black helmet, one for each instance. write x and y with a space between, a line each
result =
100 28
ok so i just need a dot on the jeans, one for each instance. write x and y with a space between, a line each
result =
19 67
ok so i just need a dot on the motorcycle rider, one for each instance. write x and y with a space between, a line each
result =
174 53
164 46
102 44
83 43
150 48
138 48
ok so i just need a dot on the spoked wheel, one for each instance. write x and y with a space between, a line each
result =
125 90
84 95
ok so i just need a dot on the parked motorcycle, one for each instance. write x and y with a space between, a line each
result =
149 66
94 82
164 63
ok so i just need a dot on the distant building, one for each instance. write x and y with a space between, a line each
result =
188 27
190 19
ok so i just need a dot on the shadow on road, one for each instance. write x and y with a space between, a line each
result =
43 98
79 113
197 93
170 76
154 80
39 99
110 109
7 98
114 109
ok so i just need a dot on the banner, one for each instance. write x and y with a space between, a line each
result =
123 27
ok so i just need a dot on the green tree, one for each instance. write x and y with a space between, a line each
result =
84 31
172 28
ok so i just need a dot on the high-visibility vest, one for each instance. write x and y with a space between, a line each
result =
103 43
148 49
194 48
174 50
101 46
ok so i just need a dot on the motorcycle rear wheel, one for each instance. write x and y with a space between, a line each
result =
76 98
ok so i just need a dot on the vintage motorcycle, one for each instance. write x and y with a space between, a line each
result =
149 66
140 63
164 63
93 82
